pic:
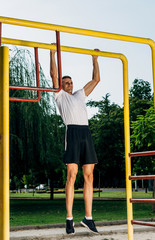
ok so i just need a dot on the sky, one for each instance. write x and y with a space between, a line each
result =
127 17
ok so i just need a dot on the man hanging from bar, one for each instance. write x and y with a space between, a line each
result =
79 147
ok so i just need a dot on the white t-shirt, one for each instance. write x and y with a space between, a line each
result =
72 107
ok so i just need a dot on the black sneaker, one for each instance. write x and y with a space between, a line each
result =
70 227
90 225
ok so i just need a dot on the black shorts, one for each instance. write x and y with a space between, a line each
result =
79 146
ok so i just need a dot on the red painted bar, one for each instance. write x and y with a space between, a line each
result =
141 177
34 88
139 154
59 59
138 200
37 72
0 34
23 100
143 223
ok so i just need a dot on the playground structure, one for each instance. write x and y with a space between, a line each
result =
4 106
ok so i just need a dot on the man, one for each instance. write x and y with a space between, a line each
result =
78 146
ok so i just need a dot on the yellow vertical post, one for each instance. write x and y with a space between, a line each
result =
153 66
127 147
4 143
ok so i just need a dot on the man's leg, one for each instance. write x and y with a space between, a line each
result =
88 188
88 197
72 170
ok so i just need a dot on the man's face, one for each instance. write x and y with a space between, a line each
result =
67 85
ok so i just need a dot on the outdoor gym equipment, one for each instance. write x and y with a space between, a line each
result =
37 83
4 108
38 88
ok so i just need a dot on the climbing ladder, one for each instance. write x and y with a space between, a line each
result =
132 200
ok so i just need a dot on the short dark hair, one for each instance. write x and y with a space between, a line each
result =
64 77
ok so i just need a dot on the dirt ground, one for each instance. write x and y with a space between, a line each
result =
114 232
118 236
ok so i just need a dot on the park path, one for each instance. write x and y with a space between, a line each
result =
115 232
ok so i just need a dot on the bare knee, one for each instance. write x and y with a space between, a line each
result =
71 175
88 173
88 177
71 178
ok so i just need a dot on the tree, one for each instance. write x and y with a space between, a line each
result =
55 149
107 128
26 119
108 136
141 90
36 131
143 139
139 98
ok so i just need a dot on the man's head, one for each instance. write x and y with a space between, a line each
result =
67 84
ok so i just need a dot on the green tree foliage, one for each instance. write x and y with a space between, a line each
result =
108 135
143 139
142 136
142 124
139 98
107 128
55 140
36 131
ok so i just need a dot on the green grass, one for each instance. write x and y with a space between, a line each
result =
42 211
105 194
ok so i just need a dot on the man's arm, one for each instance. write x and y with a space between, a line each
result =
53 69
89 87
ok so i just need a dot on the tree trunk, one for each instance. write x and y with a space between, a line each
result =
51 185
99 185
33 190
153 196
146 186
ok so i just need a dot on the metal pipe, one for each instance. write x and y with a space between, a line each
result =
4 144
140 154
0 34
37 72
59 59
141 177
143 223
133 200
127 149
86 32
63 48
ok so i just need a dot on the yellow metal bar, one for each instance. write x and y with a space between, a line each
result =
47 26
127 150
4 143
153 68
63 48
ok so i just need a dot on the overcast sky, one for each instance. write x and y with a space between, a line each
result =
128 17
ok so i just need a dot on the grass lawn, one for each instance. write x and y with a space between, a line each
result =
42 211
105 194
